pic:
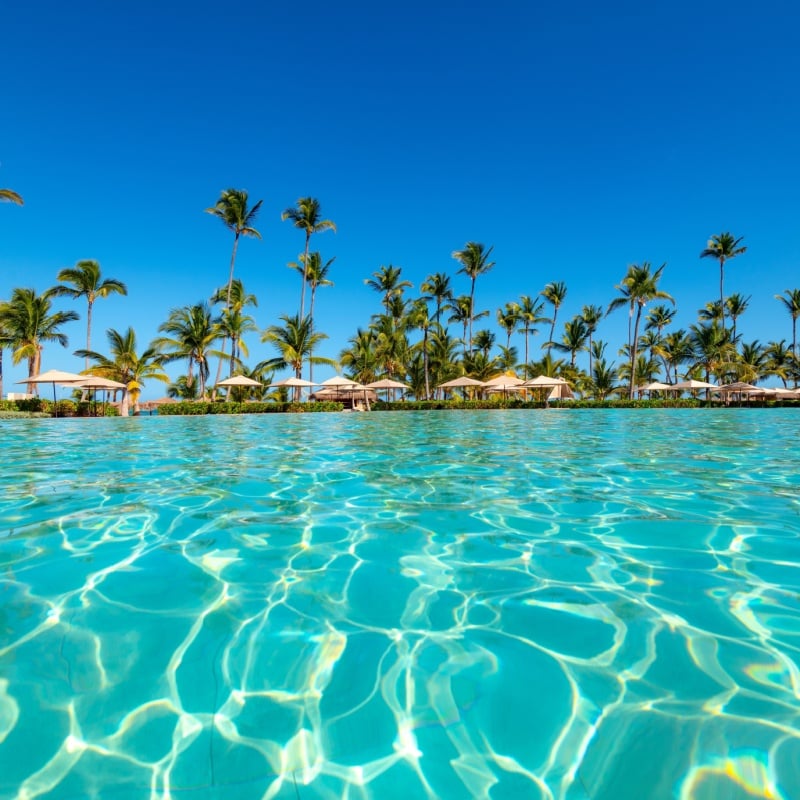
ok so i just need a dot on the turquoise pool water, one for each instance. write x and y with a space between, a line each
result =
546 604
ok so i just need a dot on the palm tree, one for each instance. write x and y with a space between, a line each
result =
360 357
714 350
85 281
474 260
233 325
723 248
28 324
752 362
530 314
675 349
461 307
554 293
308 218
574 339
125 365
392 349
437 287
792 304
507 319
387 282
315 274
10 196
232 209
638 287
231 320
736 304
420 317
779 361
603 379
507 358
294 341
484 342
192 333
591 316
443 356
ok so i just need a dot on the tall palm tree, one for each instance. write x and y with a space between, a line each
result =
294 341
474 260
419 317
306 216
83 280
232 209
315 273
591 315
554 293
530 314
574 339
736 305
638 287
360 356
723 248
463 314
125 365
386 281
232 319
437 287
28 323
779 361
192 334
675 349
507 319
714 350
10 196
233 325
792 304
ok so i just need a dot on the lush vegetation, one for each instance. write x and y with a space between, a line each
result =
421 338
194 408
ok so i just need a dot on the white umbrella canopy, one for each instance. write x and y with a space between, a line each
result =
239 380
692 384
386 383
338 380
655 386
544 380
460 383
737 388
55 376
96 382
294 382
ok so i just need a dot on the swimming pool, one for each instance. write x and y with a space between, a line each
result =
503 604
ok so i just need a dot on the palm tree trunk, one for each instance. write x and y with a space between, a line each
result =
794 353
1 373
425 364
590 355
471 311
527 332
311 331
305 278
721 293
552 328
634 346
227 304
88 332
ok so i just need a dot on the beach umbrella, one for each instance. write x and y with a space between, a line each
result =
543 380
338 381
95 382
55 376
504 384
387 384
239 380
460 383
691 385
294 383
655 386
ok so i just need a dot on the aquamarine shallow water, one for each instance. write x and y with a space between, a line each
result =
521 604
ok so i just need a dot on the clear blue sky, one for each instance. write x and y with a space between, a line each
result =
576 138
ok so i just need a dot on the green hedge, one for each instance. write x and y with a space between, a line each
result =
66 408
194 408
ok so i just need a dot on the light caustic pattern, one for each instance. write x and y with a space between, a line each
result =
515 604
